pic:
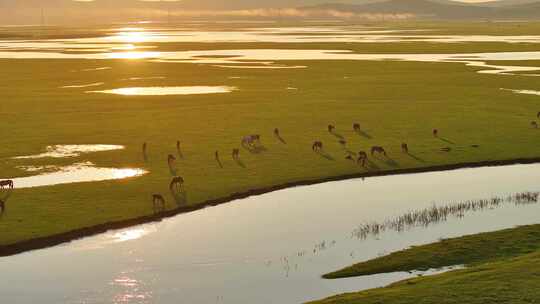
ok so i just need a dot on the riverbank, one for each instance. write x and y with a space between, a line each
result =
502 266
41 243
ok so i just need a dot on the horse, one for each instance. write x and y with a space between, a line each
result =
235 154
176 183
251 140
317 146
404 148
158 202
331 128
538 115
534 124
435 132
378 149
361 160
6 183
356 127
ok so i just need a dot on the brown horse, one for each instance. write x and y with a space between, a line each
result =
362 158
6 183
171 159
317 146
356 127
534 124
158 202
435 132
331 128
236 154
404 148
378 149
177 183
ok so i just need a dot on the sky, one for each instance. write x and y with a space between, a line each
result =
101 11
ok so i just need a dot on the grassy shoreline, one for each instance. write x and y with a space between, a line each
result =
53 240
502 266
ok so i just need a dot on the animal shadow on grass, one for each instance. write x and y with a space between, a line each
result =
180 197
240 163
280 139
337 135
371 166
415 157
363 134
255 149
173 171
324 155
387 160
446 140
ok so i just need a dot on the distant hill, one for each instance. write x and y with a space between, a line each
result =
439 9
99 11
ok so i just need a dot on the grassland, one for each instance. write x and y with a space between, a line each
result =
503 268
395 102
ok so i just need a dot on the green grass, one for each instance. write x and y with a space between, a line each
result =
467 250
512 281
394 101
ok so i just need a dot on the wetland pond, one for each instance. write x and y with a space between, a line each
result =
271 248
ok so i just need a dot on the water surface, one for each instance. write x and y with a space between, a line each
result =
160 91
265 249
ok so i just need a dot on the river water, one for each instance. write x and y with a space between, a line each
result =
271 248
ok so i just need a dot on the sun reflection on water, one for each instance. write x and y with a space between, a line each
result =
130 235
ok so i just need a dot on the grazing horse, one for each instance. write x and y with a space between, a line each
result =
317 146
378 149
177 183
362 158
404 148
158 202
361 161
331 128
435 132
251 140
356 127
534 124
235 154
6 183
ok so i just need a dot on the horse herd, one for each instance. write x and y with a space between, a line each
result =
253 142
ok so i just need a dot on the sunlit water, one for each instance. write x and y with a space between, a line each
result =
61 151
76 173
160 91
248 251
526 92
134 44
